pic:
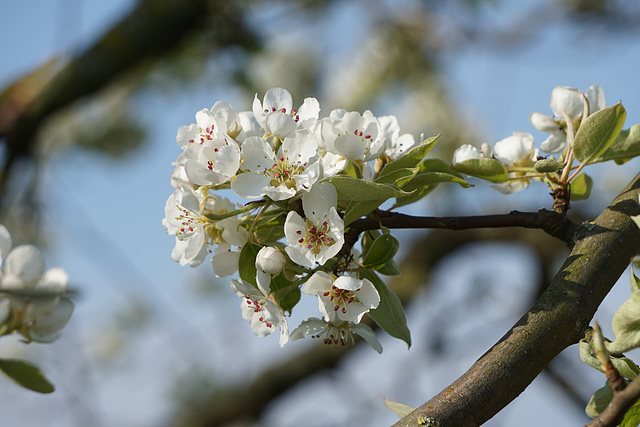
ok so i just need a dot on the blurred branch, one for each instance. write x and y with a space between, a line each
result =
154 28
557 320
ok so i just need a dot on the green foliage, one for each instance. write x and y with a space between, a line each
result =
285 293
581 187
381 251
358 189
488 169
412 158
27 375
431 172
625 147
599 401
632 417
400 409
390 314
597 132
247 262
359 208
626 326
624 365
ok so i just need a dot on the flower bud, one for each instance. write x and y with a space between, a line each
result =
547 165
270 260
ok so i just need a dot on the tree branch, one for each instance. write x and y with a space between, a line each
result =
554 223
557 320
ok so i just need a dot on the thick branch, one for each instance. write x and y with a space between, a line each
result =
557 320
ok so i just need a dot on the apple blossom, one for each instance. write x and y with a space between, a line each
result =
516 150
353 135
295 167
212 162
33 302
395 145
320 236
185 217
468 152
278 118
342 299
259 309
333 334
570 102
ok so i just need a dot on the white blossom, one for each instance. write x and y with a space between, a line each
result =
259 309
569 101
295 167
342 299
270 260
33 300
319 236
333 334
278 118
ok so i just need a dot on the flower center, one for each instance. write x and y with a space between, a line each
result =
256 305
335 334
283 171
341 298
189 223
293 113
206 134
316 237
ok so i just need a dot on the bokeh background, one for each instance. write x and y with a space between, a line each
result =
91 96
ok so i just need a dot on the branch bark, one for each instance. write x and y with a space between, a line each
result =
557 320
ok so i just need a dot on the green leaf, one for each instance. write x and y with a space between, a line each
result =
599 401
247 262
581 187
488 169
624 365
431 173
389 269
400 409
635 281
632 417
285 293
398 177
597 132
359 189
382 250
27 375
412 158
390 314
625 147
357 209
626 326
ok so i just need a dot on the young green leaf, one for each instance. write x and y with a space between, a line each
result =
412 157
27 375
635 281
624 365
247 262
625 147
400 409
581 187
381 251
390 314
632 417
599 401
285 293
626 326
488 169
358 189
597 132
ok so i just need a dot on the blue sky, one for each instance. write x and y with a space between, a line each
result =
105 218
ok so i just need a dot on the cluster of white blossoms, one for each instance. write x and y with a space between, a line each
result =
518 152
32 301
287 236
